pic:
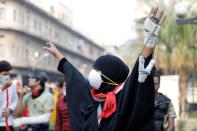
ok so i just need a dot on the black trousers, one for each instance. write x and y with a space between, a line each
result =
3 128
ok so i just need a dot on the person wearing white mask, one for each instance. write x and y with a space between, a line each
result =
8 97
110 100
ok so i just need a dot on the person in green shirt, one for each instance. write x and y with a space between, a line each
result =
39 102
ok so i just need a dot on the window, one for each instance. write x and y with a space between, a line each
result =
14 15
27 16
40 26
91 50
50 31
19 16
79 47
22 19
35 25
56 34
19 49
14 51
2 11
46 27
27 22
26 54
52 10
80 44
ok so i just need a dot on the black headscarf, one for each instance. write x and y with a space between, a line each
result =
112 67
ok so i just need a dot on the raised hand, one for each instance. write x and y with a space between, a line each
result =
24 90
53 50
152 26
144 72
157 19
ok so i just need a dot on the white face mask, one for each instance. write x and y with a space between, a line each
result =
3 78
95 79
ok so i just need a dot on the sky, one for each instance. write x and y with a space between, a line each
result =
108 22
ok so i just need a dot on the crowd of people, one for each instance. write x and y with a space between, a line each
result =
110 99
31 106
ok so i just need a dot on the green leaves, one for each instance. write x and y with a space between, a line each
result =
180 42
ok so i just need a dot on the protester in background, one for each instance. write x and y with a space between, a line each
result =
62 118
61 84
39 102
164 115
54 89
8 97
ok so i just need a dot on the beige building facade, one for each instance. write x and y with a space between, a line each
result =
24 30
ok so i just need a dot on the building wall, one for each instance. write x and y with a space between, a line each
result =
24 30
56 8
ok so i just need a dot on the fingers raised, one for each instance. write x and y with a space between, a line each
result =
151 13
157 19
155 11
162 21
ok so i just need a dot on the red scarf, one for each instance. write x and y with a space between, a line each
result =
110 101
7 104
35 92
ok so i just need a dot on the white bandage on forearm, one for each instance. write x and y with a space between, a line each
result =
149 40
144 72
44 118
151 33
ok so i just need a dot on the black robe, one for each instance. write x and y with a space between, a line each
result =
135 102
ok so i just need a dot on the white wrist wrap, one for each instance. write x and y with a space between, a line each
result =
144 72
151 33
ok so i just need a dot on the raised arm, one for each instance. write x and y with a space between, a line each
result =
78 89
71 73
152 26
53 50
21 102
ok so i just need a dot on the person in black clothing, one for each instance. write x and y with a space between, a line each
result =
110 100
164 116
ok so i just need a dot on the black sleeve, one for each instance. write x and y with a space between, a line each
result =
74 79
77 93
136 103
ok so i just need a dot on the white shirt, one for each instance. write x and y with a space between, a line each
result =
13 100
